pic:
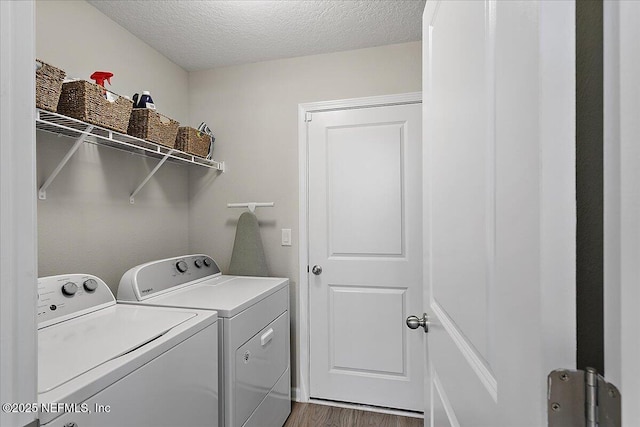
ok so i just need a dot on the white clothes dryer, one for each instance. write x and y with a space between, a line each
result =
255 380
102 364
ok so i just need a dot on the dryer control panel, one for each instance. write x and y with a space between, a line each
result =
67 296
148 279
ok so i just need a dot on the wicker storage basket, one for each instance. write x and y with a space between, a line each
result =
84 101
48 86
192 141
152 126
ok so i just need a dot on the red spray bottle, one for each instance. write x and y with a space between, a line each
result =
100 77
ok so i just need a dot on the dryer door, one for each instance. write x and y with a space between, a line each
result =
258 364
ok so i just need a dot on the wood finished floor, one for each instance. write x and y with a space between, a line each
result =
312 415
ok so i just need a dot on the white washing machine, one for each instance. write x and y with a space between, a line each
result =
102 364
253 324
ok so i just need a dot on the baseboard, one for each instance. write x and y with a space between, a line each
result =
295 395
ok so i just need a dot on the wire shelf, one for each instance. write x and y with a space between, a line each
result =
62 125
84 132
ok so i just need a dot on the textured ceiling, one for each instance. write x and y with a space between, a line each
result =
206 34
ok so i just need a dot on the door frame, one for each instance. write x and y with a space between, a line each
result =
18 245
301 392
621 204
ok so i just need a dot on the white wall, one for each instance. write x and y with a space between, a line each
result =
252 110
87 224
77 37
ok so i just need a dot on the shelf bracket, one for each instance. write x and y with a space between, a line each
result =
42 192
153 171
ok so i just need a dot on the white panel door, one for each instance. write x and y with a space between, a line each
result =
365 233
499 203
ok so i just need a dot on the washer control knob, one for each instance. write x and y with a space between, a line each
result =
69 289
90 285
182 266
198 263
207 262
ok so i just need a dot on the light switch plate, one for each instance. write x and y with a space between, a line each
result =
286 237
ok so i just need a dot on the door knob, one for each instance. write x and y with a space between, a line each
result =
317 270
414 322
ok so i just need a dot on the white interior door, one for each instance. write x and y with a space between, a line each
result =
499 203
365 232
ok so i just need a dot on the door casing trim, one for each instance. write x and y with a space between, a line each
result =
18 211
303 371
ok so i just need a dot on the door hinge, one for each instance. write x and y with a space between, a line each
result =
581 398
307 117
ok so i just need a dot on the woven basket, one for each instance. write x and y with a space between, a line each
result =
48 86
152 126
84 101
192 141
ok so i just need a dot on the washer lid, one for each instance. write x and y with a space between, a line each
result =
228 295
71 348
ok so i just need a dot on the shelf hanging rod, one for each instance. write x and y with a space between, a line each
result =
251 205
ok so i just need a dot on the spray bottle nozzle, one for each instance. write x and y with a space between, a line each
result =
101 76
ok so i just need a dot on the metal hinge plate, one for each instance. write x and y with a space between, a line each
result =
581 398
307 117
